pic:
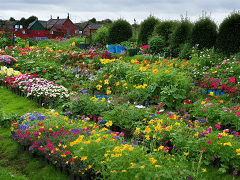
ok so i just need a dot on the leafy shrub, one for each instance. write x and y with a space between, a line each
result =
164 29
180 35
146 29
156 44
119 31
101 36
186 50
204 33
228 40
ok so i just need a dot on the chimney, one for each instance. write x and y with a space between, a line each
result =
50 16
68 16
58 18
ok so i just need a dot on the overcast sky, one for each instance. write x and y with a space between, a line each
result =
80 10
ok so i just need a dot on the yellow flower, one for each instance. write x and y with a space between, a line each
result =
125 84
132 164
142 167
73 44
50 67
117 83
203 102
113 171
155 71
167 71
238 151
185 153
56 114
131 107
211 93
83 158
98 86
106 82
103 99
157 166
204 169
147 137
147 130
124 170
109 92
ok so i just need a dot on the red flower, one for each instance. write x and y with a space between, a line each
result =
232 79
124 112
156 97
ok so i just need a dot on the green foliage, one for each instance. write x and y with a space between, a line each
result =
156 44
146 29
164 29
119 31
101 36
228 40
204 33
186 50
180 35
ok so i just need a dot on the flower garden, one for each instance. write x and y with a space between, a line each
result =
111 116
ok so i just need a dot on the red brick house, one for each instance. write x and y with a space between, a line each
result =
91 28
62 25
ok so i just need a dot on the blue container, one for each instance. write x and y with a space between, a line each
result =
209 91
222 93
120 49
217 93
111 48
99 97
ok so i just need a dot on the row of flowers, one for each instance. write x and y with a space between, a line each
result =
87 148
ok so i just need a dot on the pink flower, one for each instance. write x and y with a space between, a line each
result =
213 158
204 109
209 142
218 80
219 135
232 79
217 66
44 71
206 99
70 97
237 133
232 109
218 126
238 113
210 129
203 149
204 75
158 112
237 108
224 61
211 79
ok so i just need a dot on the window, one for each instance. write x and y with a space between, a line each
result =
16 29
16 26
23 32
21 26
51 32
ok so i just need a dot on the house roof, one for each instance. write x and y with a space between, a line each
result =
31 24
15 23
43 23
61 21
51 22
80 25
95 26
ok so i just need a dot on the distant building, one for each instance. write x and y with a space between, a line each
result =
62 25
91 28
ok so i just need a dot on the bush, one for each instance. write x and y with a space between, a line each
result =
204 33
119 31
101 36
156 44
180 35
164 29
228 40
146 29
